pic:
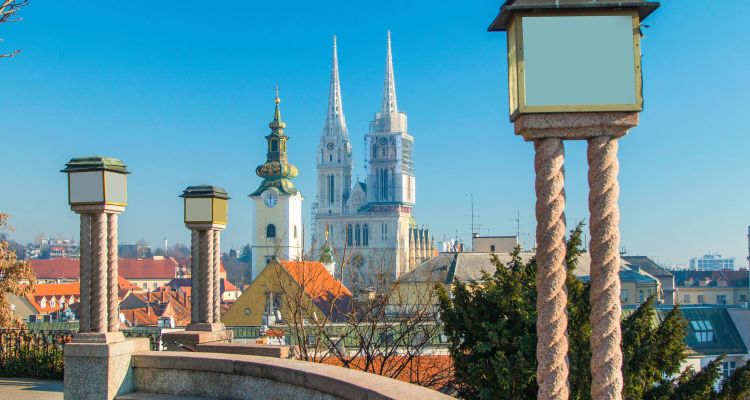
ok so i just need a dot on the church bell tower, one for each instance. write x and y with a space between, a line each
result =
277 221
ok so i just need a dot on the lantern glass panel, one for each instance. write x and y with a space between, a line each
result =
116 188
220 208
198 209
579 61
86 187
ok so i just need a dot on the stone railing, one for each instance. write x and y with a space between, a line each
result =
230 376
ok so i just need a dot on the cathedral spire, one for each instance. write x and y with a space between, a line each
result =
335 121
390 105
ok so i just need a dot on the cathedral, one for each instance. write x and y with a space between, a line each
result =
369 224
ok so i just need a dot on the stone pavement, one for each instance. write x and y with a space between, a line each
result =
30 389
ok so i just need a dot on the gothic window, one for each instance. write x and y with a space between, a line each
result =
331 183
374 151
330 157
270 231
357 236
274 145
295 231
349 235
365 236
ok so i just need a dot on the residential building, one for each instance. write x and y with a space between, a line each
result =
229 292
493 244
372 220
317 294
145 308
712 287
417 285
712 262
148 273
666 278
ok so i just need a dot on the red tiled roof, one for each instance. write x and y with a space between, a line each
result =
57 289
129 268
326 292
140 317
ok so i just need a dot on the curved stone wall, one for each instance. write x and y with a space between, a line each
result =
226 376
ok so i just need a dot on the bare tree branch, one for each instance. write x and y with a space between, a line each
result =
8 10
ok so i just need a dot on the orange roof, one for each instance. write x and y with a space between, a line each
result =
229 287
57 289
315 279
140 317
326 292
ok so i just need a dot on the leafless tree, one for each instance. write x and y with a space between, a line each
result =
377 325
8 11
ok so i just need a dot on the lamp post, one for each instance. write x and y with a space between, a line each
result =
206 209
574 73
97 191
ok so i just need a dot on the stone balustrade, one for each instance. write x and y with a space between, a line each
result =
230 376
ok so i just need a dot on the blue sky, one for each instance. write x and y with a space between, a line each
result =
183 94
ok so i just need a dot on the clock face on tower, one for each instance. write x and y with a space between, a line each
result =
270 199
330 146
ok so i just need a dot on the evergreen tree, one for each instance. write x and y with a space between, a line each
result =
491 326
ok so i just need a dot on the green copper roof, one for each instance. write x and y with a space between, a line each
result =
276 172
326 254
95 163
205 191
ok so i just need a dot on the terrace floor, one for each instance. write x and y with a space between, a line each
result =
30 389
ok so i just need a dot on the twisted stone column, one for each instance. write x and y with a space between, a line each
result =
206 275
217 277
85 273
98 273
112 274
194 276
606 360
552 297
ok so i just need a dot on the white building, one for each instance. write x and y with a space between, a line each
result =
278 204
370 224
712 262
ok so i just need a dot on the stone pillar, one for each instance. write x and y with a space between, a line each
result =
547 131
195 276
217 277
606 360
85 274
113 302
552 296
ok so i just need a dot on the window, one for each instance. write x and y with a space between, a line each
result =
349 235
727 368
331 189
492 248
365 236
330 157
145 285
721 299
704 331
271 231
743 298
641 296
274 145
295 231
686 299
357 235
624 295
374 151
155 285
700 299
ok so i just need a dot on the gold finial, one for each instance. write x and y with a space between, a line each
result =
326 232
278 100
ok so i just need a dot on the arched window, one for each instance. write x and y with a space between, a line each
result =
357 236
274 145
365 235
295 231
374 151
271 231
349 235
